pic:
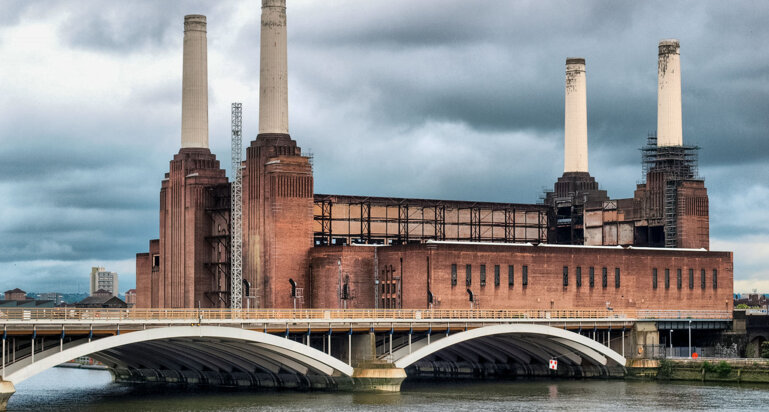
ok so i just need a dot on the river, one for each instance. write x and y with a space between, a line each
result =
91 390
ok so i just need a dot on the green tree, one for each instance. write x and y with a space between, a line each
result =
765 349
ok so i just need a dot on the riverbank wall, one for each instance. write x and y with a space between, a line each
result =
707 370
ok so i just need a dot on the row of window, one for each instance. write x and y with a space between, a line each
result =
679 280
510 275
591 277
578 276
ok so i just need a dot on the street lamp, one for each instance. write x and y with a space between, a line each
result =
470 294
690 338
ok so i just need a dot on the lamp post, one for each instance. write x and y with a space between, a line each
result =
690 338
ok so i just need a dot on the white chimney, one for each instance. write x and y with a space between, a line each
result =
575 121
195 83
273 74
669 129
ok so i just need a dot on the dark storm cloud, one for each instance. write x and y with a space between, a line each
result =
127 26
500 66
435 99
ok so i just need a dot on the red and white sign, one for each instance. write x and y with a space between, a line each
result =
553 364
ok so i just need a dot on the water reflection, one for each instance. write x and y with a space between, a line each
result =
75 389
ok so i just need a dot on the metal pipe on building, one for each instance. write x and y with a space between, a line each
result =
273 72
669 127
575 118
195 83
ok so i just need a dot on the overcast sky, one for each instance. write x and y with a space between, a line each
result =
437 99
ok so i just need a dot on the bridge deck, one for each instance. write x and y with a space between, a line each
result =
21 315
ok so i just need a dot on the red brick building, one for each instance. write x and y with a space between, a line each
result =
520 276
572 252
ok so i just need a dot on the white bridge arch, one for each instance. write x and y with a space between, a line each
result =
195 349
521 341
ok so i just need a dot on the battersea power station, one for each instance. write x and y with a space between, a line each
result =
264 239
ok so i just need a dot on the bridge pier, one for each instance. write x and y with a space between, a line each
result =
377 376
371 374
642 336
6 390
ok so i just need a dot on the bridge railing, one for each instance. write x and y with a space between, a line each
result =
208 315
683 314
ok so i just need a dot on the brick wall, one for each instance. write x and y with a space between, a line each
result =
545 289
332 265
277 219
143 285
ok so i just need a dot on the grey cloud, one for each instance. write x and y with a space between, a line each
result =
441 99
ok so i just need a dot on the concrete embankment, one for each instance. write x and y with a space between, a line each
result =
708 370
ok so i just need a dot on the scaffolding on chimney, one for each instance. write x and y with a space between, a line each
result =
676 164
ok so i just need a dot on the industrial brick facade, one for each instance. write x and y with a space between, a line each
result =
307 250
521 277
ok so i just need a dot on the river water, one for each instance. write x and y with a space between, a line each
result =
90 390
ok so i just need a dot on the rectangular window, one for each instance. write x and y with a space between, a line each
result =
579 276
654 278
715 278
565 276
510 275
678 278
667 278
468 275
616 278
496 275
691 278
604 277
591 275
702 279
525 275
483 275
453 274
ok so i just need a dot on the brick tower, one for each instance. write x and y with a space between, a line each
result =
277 183
181 270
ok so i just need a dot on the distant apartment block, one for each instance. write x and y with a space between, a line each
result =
101 279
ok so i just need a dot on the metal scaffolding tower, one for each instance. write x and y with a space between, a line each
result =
236 214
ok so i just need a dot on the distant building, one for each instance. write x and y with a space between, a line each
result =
101 279
101 299
15 294
130 298
57 298
752 300
28 303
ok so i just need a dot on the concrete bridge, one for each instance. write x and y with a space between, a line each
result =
325 349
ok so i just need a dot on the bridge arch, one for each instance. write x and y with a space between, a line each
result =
524 343
196 354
